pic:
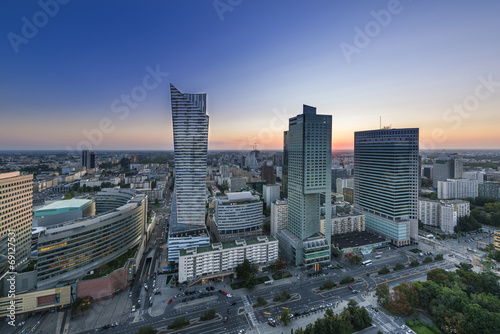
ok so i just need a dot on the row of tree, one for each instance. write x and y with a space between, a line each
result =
462 301
352 318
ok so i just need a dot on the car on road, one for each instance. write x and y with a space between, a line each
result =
139 301
271 323
145 286
223 292
232 304
225 319
133 308
355 291
228 311
350 287
229 295
130 295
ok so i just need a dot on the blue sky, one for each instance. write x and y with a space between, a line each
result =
419 65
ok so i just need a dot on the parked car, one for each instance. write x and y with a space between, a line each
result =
170 301
225 319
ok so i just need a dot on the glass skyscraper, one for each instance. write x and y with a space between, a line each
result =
190 123
386 182
308 162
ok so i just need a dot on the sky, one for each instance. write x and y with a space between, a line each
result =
95 74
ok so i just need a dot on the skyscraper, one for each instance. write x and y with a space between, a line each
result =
267 174
16 203
190 123
187 220
447 166
386 182
88 159
308 155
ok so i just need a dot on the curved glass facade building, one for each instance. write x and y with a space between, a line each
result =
70 250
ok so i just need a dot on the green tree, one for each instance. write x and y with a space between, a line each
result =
285 317
439 257
346 279
147 330
399 266
280 264
328 285
267 212
178 323
251 282
383 294
267 227
75 187
383 271
261 301
245 269
427 259
414 263
208 315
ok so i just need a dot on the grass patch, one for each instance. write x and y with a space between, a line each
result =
169 277
346 280
282 275
113 265
30 267
421 327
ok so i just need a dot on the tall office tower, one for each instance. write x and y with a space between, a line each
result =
88 159
386 182
224 171
308 151
336 174
447 166
278 159
284 180
267 174
190 123
16 203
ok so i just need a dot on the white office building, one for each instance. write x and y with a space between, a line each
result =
457 188
346 223
479 176
344 183
279 216
238 216
222 258
271 193
443 214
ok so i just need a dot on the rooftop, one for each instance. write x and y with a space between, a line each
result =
63 206
245 195
228 245
356 240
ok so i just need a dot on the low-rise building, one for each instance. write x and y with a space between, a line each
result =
442 214
496 240
222 258
489 189
345 223
457 188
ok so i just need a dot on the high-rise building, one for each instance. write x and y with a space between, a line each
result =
271 193
308 155
236 183
279 216
224 171
267 173
336 174
386 182
88 159
479 176
16 203
278 159
190 123
458 188
344 183
448 166
284 179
